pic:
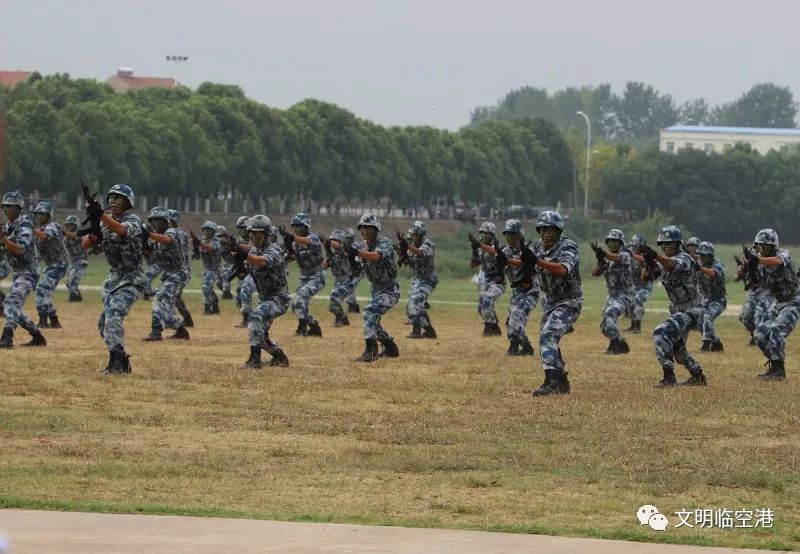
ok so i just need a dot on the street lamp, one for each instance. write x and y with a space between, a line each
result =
176 60
588 162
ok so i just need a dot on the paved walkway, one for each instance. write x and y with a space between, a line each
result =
71 532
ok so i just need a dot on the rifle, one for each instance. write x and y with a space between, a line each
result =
195 245
529 260
91 223
651 268
600 254
502 261
475 245
326 244
403 249
749 267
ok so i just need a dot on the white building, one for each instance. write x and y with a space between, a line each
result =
718 139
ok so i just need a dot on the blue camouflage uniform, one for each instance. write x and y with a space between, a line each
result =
757 302
212 265
686 313
385 290
343 274
563 300
246 288
273 295
78 262
523 301
619 284
423 282
641 290
5 271
25 274
782 314
170 257
491 285
153 270
714 300
56 259
312 276
125 283
226 273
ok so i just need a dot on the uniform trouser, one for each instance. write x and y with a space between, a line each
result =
225 278
756 304
640 297
180 305
557 318
210 276
75 273
116 305
152 271
351 299
5 269
307 287
421 289
487 299
261 318
244 294
519 309
21 286
47 286
165 315
342 290
669 339
714 309
615 307
380 302
776 325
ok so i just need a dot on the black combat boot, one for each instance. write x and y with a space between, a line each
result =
637 327
390 349
117 363
279 358
245 321
7 339
752 340
301 328
226 295
180 305
254 361
496 330
696 379
215 308
345 320
617 346
488 331
353 309
148 294
706 346
207 309
668 380
562 385
337 322
370 351
513 348
525 349
181 333
428 332
73 297
416 332
776 372
37 339
54 323
550 385
155 335
78 297
717 346
43 323
314 329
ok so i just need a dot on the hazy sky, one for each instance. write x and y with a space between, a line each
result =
391 61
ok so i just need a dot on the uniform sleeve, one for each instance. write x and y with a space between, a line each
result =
568 256
682 262
216 245
315 240
784 255
427 249
719 269
51 230
384 248
273 255
133 227
24 236
625 258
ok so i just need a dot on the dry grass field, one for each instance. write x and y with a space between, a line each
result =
445 436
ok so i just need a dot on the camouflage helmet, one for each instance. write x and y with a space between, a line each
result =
122 190
301 219
348 233
72 220
44 208
260 222
766 236
159 213
550 219
241 222
13 199
208 224
336 234
174 216
669 233
615 234
637 241
487 227
369 220
418 228
512 226
221 230
693 241
705 248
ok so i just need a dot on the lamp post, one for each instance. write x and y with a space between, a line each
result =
588 162
176 60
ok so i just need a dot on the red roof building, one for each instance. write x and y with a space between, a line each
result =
124 81
13 78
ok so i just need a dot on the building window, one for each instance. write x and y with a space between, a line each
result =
689 145
708 147
670 147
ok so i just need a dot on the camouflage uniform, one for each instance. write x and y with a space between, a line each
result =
342 270
226 273
619 284
245 290
522 302
423 283
170 257
183 238
153 270
25 274
757 302
312 277
491 286
78 262
212 261
56 259
5 271
641 291
714 298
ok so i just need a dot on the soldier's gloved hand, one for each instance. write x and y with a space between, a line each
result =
94 210
473 242
502 259
239 256
752 262
351 251
529 258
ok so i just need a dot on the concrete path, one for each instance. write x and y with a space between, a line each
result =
70 532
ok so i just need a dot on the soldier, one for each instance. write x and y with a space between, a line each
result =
246 287
121 240
615 265
757 299
679 276
50 245
226 274
491 280
420 253
5 271
165 243
180 305
352 300
641 289
692 245
153 270
306 247
78 261
211 254
712 287
555 261
776 272
380 267
265 262
18 247
343 270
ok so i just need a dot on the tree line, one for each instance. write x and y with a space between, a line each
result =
640 111
215 141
